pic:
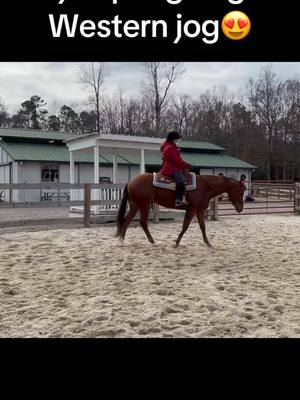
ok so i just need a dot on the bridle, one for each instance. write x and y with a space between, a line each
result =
235 204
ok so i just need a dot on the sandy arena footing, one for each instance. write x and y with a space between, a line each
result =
85 283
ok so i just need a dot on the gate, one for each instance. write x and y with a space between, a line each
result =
268 198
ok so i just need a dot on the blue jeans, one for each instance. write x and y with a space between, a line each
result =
179 179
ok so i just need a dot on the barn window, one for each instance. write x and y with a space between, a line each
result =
50 173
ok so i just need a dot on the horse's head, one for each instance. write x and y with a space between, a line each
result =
235 193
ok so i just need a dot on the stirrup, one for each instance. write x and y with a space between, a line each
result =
180 203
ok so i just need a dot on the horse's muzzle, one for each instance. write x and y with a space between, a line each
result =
239 207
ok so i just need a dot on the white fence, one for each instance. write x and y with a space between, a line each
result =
108 196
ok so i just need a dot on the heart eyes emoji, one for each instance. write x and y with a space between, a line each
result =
236 25
229 23
241 22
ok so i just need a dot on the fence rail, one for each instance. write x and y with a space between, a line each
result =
85 200
268 198
106 198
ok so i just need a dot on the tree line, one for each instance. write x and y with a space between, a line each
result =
260 127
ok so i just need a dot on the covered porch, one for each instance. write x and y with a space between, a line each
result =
117 145
118 148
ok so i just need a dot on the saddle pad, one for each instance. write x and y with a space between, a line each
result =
166 182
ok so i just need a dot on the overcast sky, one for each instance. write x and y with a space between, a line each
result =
56 81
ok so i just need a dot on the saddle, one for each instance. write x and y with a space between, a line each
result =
167 182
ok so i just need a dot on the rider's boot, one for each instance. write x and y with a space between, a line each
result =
180 200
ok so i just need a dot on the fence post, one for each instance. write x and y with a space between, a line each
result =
155 213
297 198
216 209
87 205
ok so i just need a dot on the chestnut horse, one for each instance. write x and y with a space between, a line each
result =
140 193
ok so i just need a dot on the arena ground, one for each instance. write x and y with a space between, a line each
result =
85 283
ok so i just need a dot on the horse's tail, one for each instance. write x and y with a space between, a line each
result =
122 211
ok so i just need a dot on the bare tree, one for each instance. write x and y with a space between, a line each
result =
111 113
92 77
3 113
161 76
265 102
214 108
290 116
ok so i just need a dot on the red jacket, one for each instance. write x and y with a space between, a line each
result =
172 161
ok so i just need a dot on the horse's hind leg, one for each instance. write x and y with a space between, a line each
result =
144 222
190 212
201 220
131 214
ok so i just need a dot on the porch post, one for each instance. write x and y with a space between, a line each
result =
142 164
72 168
115 168
72 176
96 164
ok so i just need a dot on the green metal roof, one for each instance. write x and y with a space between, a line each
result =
184 144
50 153
19 151
35 134
215 161
48 135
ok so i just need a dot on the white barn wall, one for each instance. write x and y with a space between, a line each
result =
5 196
30 172
86 173
4 178
133 171
64 173
123 174
106 172
2 174
4 157
206 171
232 173
4 171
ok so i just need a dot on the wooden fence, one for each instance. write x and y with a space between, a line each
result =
284 192
94 202
297 198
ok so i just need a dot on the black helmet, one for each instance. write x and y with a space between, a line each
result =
173 136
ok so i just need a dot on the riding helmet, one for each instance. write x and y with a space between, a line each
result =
173 136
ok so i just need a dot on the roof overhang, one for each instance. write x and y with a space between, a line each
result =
114 142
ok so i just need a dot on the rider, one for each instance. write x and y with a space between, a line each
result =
174 165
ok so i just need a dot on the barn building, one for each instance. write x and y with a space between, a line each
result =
30 156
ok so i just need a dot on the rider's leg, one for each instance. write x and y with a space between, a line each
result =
179 179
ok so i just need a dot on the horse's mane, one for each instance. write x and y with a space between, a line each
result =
205 177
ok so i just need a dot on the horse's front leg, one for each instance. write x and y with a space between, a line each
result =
201 220
190 212
144 222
